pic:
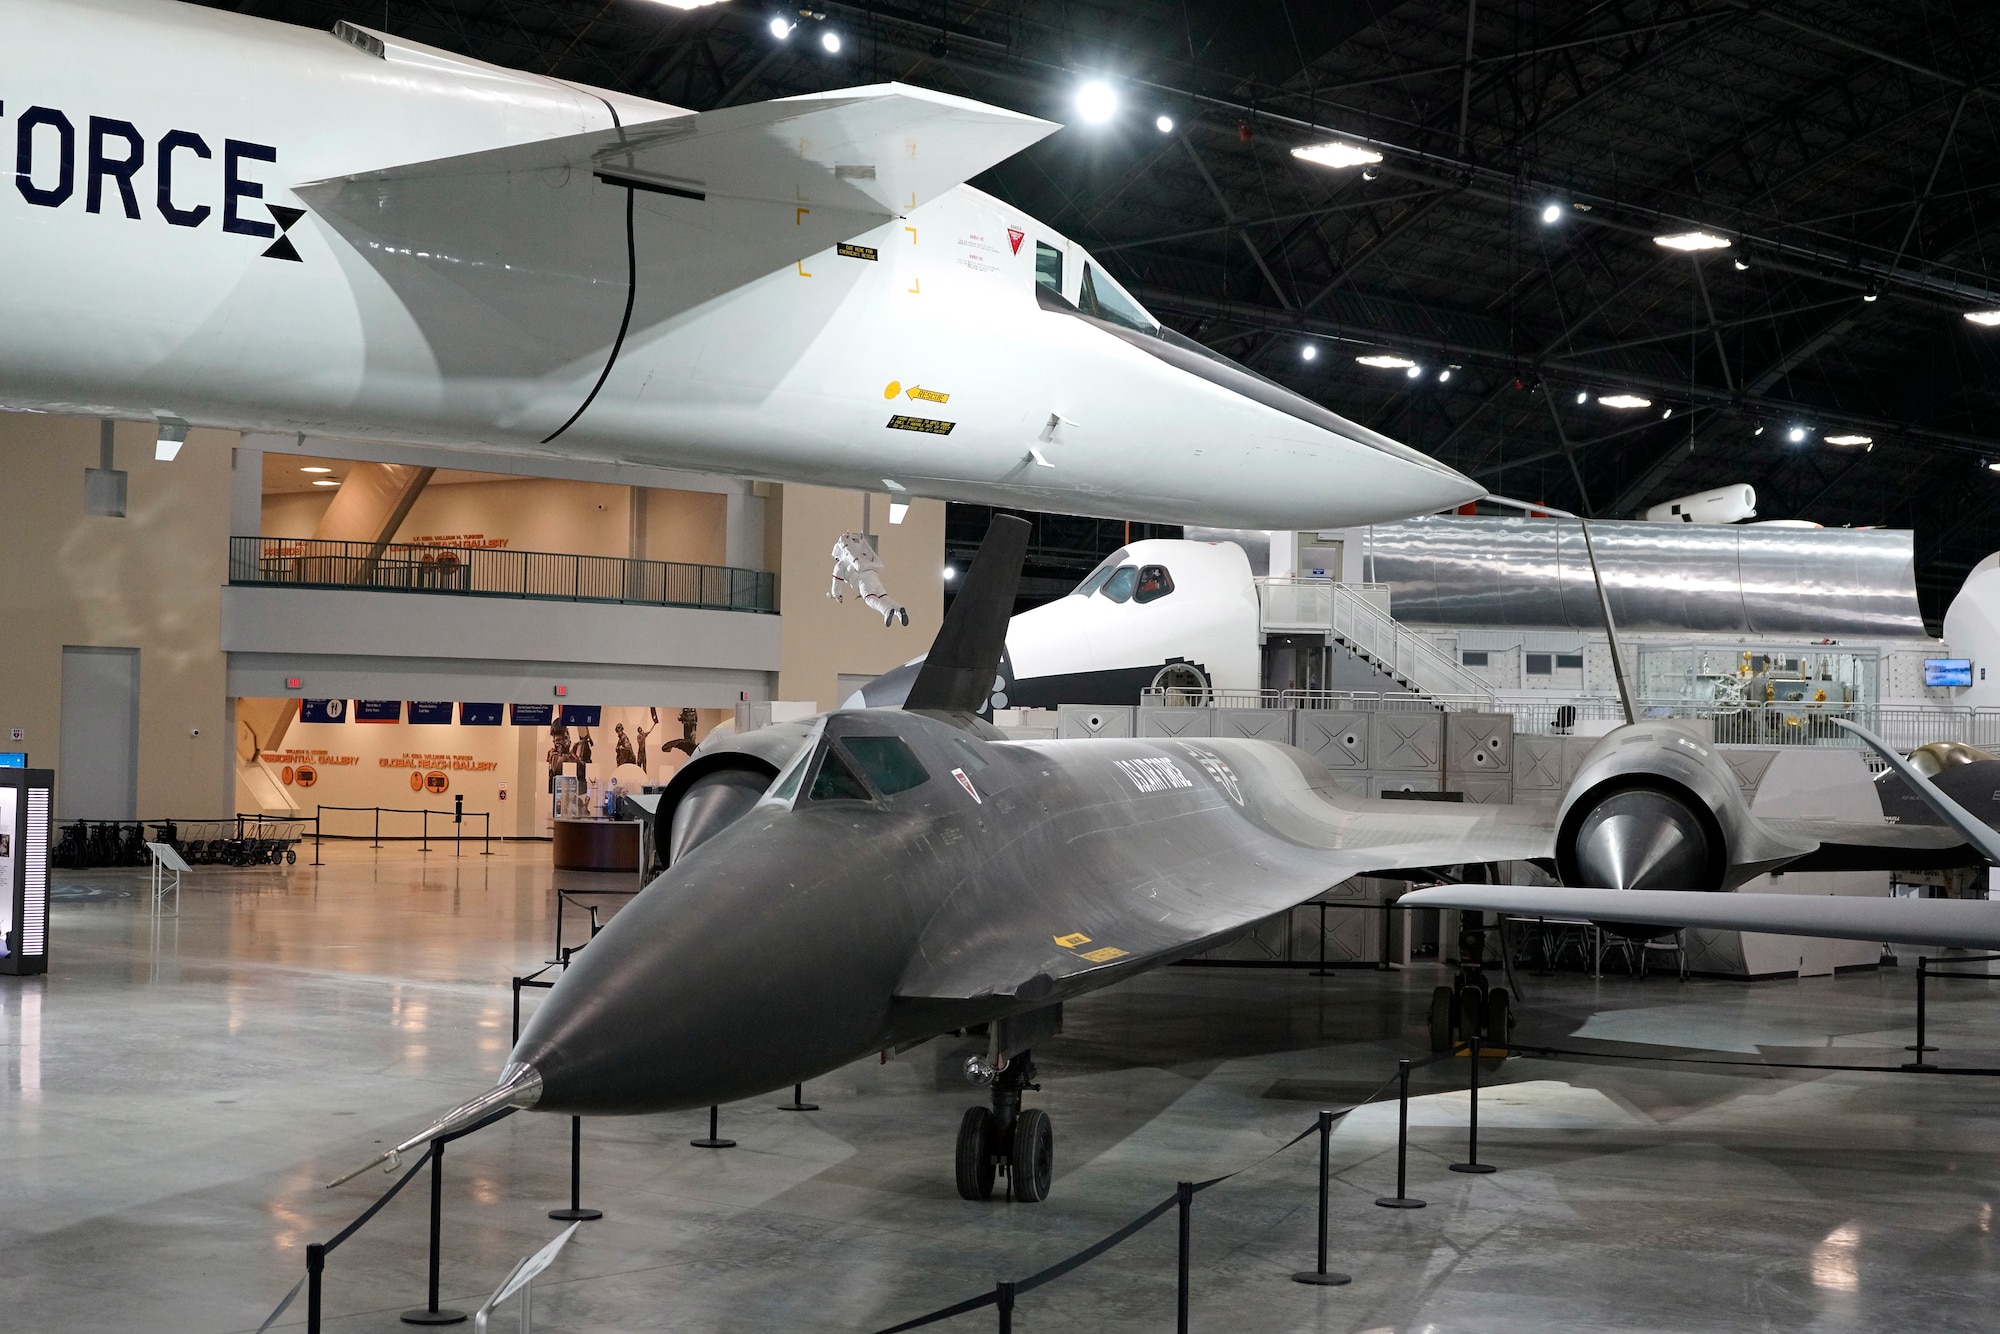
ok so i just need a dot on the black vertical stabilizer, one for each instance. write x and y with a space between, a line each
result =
965 657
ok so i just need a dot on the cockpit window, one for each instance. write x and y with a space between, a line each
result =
1095 579
889 764
835 781
1119 586
1048 266
1154 583
1102 297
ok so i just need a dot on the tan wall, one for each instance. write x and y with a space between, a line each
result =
151 581
539 514
824 638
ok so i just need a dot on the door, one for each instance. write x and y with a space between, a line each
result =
98 773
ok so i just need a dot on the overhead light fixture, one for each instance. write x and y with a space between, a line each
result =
311 469
899 510
1742 265
1993 465
780 29
1096 102
1308 352
831 41
1444 375
1849 439
1759 430
1624 401
687 4
173 434
1796 434
1384 361
325 481
1337 154
1414 371
1582 396
1369 173
950 574
1872 294
1668 413
1985 319
1692 241
1164 124
1553 213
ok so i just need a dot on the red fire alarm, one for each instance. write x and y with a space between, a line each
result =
562 690
291 683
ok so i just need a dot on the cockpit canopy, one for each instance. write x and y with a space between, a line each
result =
1121 580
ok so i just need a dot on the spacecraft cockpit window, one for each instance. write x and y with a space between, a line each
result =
1119 586
835 781
890 764
1095 579
1048 266
1154 584
1102 297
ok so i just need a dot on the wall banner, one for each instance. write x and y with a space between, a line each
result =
378 710
424 711
322 710
480 715
532 715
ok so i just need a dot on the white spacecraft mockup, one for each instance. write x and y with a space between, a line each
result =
222 221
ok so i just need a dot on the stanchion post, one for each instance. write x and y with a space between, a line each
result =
1923 978
798 1102
1319 1275
315 1268
430 1314
1003 1302
316 819
1184 1191
714 1140
1401 1199
517 1009
576 1212
378 829
425 812
486 822
1472 1163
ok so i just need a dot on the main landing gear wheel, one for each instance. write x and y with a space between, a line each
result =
1034 1156
1444 1018
976 1162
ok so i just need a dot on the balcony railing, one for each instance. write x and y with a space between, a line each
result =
498 573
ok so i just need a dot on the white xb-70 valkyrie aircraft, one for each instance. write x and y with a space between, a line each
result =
231 222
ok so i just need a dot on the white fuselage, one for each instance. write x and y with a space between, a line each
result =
157 147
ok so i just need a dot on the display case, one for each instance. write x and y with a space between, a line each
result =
27 798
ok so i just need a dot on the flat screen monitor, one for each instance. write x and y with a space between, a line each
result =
1947 671
13 759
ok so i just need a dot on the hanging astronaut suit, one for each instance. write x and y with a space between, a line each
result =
855 565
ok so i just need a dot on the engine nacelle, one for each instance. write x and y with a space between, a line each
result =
724 779
1654 806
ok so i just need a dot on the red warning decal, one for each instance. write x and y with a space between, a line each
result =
1014 236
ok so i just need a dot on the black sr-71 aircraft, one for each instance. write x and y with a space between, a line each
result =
872 878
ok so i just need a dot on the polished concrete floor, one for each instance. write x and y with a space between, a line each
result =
173 1096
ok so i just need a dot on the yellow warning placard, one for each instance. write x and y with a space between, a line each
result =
1070 942
923 425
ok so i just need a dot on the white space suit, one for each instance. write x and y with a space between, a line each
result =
856 565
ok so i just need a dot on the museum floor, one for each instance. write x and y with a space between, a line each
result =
173 1101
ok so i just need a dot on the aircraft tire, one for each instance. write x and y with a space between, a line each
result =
975 1154
1441 1025
1034 1163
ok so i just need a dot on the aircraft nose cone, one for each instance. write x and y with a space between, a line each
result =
1643 839
768 957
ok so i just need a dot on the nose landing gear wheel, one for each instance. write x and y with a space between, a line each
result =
975 1154
1034 1156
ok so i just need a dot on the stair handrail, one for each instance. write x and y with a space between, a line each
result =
1353 614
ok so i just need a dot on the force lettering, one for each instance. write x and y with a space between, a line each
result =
1154 775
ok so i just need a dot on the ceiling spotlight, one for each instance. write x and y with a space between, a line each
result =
1986 319
1337 154
831 41
1993 465
315 470
1742 266
1668 413
1759 430
1308 352
173 434
1796 434
1552 213
1582 397
1872 294
1624 401
1383 361
688 4
325 481
780 29
1444 375
1164 124
1692 241
1096 102
1414 372
1849 439
950 574
1369 173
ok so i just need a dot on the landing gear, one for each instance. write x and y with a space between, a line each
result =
1004 1138
1472 1006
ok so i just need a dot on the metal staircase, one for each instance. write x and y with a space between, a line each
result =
1356 616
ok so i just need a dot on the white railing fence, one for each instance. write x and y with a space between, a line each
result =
1358 614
